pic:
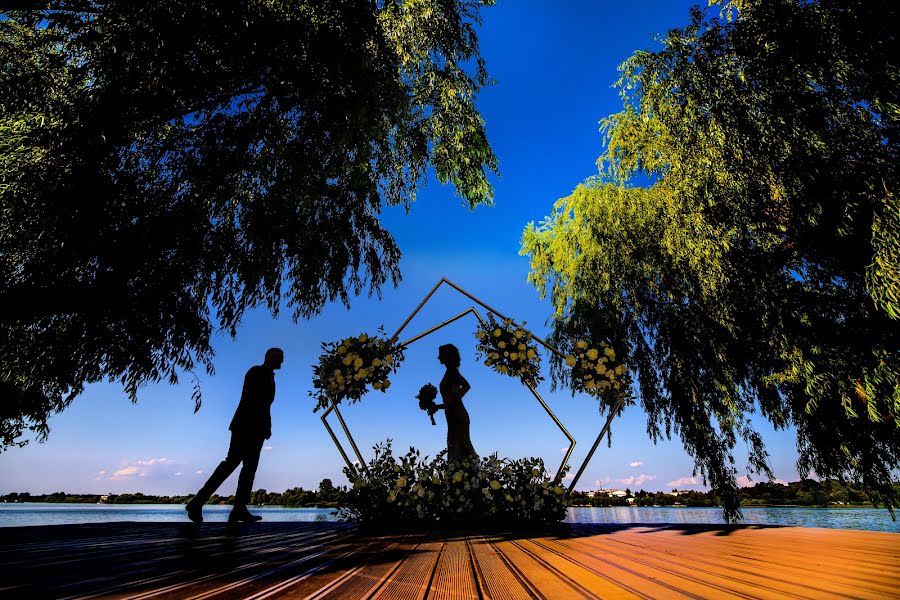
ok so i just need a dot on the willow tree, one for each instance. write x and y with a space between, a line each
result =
166 166
741 244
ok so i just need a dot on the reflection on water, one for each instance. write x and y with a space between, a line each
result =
835 518
22 514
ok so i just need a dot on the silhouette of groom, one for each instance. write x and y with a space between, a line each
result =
250 427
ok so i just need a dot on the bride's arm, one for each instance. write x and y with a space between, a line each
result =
464 386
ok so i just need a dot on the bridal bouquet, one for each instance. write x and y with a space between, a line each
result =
426 397
347 368
594 370
508 348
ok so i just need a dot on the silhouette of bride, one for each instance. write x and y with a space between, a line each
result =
453 387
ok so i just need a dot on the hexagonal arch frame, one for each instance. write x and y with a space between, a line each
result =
334 408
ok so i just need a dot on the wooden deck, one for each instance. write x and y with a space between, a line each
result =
322 560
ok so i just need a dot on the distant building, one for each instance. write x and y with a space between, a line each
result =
617 493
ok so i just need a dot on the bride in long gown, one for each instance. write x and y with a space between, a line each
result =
453 387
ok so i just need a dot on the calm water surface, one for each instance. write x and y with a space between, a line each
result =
874 519
26 514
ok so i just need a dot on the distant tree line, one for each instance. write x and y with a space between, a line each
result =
806 492
327 495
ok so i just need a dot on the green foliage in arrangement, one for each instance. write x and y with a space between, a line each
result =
595 372
347 368
741 246
166 166
414 490
509 349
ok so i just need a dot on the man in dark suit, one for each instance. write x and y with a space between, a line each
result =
250 427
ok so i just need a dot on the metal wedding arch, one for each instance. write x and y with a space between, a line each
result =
334 408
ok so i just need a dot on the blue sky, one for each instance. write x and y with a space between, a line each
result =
554 64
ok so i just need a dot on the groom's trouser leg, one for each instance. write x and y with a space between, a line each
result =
250 459
225 468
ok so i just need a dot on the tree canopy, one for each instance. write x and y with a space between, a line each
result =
166 166
741 244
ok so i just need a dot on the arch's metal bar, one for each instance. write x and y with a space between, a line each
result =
561 428
444 324
338 444
416 310
590 454
431 330
481 303
359 457
541 341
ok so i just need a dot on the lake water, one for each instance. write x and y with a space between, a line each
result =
28 514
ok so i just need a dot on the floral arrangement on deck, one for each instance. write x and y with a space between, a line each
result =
594 370
347 368
509 349
415 490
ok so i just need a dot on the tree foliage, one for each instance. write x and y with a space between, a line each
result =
742 241
166 166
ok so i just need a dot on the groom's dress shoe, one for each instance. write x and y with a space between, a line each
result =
194 512
243 516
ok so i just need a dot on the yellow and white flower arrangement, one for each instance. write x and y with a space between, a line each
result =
413 490
595 369
509 349
347 368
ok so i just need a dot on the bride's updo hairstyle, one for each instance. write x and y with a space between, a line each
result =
450 354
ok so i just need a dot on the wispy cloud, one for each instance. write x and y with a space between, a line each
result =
569 476
125 473
151 468
637 480
267 448
683 481
636 464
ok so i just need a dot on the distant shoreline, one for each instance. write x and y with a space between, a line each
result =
295 498
333 505
838 506
328 506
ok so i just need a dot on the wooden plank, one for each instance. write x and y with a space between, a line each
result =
454 577
693 577
410 581
765 570
219 567
331 561
370 573
498 580
540 577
